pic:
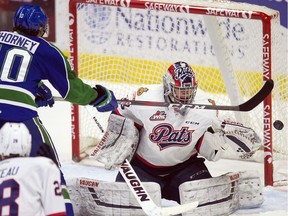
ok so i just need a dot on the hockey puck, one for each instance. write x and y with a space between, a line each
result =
278 125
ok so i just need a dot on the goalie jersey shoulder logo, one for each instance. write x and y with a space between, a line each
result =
158 116
146 93
141 90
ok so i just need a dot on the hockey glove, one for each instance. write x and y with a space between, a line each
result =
44 96
243 141
105 100
118 143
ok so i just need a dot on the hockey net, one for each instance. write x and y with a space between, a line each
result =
233 48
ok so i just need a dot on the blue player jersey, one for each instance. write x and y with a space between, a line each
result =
24 62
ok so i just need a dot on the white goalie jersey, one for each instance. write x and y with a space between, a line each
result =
170 135
166 129
30 186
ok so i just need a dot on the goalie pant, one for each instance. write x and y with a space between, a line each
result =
228 193
170 178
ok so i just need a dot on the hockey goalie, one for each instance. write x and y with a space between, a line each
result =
168 146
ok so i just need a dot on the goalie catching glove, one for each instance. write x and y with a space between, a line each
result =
244 141
119 142
229 136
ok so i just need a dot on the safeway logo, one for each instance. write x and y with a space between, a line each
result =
247 14
268 156
125 3
122 3
71 19
184 8
229 13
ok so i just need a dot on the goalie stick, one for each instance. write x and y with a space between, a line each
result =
244 107
143 198
89 109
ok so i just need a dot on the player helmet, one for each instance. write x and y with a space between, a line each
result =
15 140
31 20
180 84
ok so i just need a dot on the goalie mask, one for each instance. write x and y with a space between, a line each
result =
31 20
15 140
180 84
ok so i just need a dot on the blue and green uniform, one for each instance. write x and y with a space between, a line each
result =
24 62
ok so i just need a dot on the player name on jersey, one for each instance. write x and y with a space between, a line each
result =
15 39
9 172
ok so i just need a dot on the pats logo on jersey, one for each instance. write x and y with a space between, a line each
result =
165 136
158 116
141 90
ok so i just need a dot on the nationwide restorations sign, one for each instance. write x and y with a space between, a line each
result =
163 34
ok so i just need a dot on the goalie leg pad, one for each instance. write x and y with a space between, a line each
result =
92 197
250 190
216 196
119 142
223 195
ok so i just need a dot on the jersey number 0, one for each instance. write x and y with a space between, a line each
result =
17 61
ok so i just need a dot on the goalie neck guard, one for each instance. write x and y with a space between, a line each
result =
180 84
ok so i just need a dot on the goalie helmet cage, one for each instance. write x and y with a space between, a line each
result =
233 47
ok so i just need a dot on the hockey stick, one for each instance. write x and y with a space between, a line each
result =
244 107
144 199
89 110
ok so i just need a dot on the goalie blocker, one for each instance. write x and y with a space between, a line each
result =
119 142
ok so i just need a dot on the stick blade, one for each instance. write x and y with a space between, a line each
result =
259 97
178 209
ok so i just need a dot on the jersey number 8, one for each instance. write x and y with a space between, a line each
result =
9 192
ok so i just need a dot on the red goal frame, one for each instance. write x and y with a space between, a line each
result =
180 8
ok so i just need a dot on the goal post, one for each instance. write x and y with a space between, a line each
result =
233 48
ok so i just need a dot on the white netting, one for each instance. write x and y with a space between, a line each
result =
123 48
